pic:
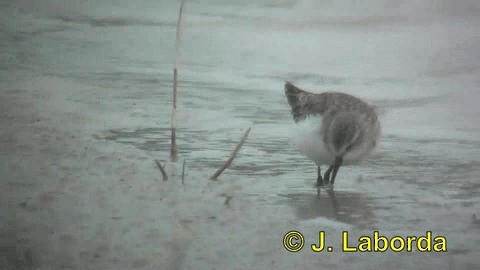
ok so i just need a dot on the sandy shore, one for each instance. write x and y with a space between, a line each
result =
72 201
85 96
77 201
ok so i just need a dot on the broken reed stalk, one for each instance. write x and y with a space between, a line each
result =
162 169
173 146
232 156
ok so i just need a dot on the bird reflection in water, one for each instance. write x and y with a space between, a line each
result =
348 207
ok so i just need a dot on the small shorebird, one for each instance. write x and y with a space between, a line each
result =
332 128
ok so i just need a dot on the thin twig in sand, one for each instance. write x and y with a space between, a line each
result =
228 198
183 172
173 146
232 156
162 169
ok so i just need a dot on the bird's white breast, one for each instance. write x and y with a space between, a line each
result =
307 135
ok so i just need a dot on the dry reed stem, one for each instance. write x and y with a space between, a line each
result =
232 156
162 169
173 146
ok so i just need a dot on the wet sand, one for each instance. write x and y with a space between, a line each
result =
77 201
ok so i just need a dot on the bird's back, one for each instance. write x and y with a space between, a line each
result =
304 103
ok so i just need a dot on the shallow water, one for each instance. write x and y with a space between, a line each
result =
419 65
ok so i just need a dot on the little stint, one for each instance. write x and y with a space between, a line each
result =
333 128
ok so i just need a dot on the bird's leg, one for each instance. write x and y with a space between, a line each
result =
326 177
336 166
319 178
